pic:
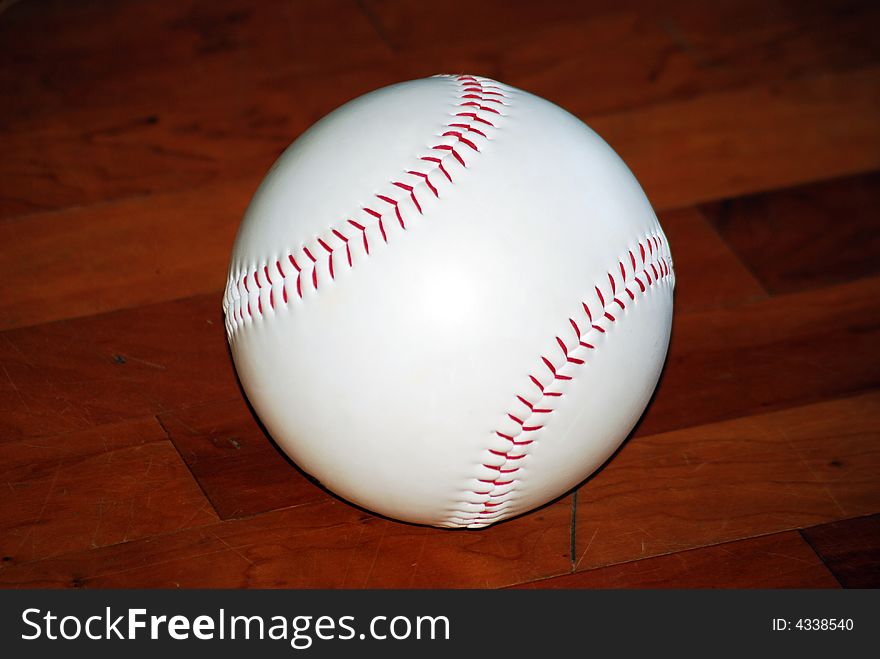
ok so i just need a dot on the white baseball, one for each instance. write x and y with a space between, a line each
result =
449 301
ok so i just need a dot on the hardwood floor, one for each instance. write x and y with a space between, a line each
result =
133 135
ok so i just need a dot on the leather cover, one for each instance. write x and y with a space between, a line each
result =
449 301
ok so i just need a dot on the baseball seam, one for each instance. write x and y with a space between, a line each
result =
480 104
640 270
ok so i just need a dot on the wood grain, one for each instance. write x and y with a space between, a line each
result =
651 52
134 135
168 246
327 545
777 352
805 237
779 560
236 463
94 488
118 255
101 104
708 274
755 90
851 550
682 151
770 133
82 373
176 245
659 495
162 357
142 360
731 480
63 59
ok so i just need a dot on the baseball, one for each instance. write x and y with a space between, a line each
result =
449 301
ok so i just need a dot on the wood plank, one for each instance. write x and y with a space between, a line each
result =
105 103
632 53
655 50
87 372
742 141
172 246
60 58
766 355
779 560
706 109
774 353
327 545
710 147
25 460
731 480
708 274
805 237
661 494
135 252
160 145
240 469
851 550
119 255
767 416
94 488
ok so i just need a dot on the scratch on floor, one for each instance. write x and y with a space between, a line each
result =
816 478
130 520
39 516
589 544
415 566
205 507
230 547
94 541
351 556
160 367
787 557
15 389
375 555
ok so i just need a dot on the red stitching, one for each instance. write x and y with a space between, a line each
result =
480 99
378 216
469 129
451 149
363 231
474 104
461 138
427 180
329 256
396 205
412 195
344 239
298 273
489 508
439 164
314 266
473 116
